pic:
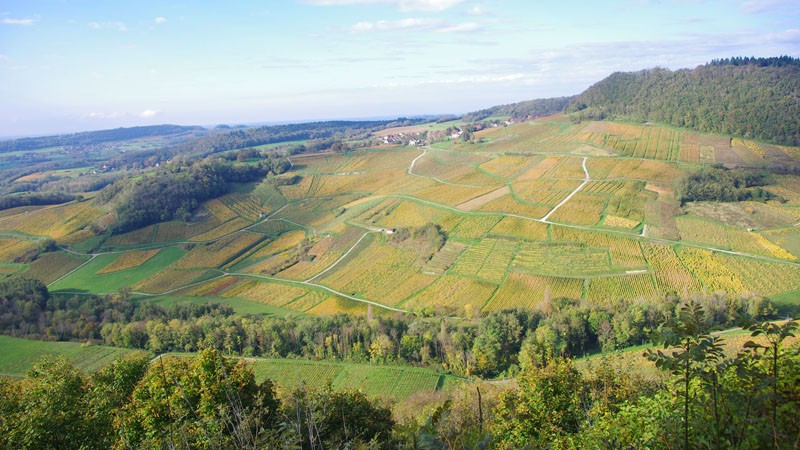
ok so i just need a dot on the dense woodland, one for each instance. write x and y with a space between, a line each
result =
178 189
720 185
725 96
539 107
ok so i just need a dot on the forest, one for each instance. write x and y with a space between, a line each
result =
709 400
724 96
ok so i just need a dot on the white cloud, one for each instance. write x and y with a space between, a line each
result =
160 20
148 113
119 26
477 11
23 22
391 25
418 24
460 28
104 115
402 5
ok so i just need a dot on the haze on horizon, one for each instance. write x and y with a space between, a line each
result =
72 66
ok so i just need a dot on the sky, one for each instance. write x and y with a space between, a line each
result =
71 65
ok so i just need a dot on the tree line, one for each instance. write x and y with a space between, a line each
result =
94 137
748 97
487 347
709 399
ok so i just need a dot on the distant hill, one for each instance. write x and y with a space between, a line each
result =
95 137
530 108
755 98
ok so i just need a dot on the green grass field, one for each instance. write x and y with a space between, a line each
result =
390 382
19 355
86 279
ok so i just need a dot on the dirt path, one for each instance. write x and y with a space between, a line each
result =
586 180
342 257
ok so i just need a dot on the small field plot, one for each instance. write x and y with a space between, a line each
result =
756 215
508 167
172 279
668 270
11 249
19 355
444 258
509 205
625 252
474 227
446 168
378 271
531 291
129 260
487 260
56 222
224 229
268 293
544 191
220 252
142 236
450 195
244 205
763 277
521 228
694 229
786 238
712 272
654 142
525 137
608 290
387 382
646 170
86 278
562 260
49 266
581 209
453 293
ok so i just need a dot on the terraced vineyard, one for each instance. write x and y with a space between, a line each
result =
338 231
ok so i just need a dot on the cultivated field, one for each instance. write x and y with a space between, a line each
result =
340 235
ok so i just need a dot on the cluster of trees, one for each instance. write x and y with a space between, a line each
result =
496 344
712 399
94 137
720 185
744 398
34 199
748 97
203 402
178 189
530 108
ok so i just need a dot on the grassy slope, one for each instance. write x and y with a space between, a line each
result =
19 355
85 279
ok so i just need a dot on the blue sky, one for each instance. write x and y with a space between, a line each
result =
83 65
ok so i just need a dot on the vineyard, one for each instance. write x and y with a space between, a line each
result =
487 260
620 234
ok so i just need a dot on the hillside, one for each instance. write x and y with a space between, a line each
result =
755 98
95 137
539 107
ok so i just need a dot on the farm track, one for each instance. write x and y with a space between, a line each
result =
586 180
424 152
342 257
